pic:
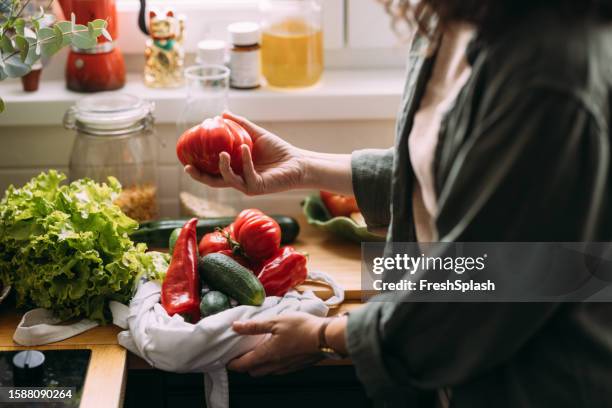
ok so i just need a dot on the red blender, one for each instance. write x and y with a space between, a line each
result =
102 67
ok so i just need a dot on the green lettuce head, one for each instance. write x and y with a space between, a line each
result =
66 247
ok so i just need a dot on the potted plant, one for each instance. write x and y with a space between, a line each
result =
23 41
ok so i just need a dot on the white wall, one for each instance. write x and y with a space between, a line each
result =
26 151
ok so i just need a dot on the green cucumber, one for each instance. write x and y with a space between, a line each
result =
156 234
173 237
224 274
213 302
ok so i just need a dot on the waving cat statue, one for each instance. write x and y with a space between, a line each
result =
164 53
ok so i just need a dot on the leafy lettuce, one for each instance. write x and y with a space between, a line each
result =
66 247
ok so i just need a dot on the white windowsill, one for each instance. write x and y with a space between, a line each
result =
341 95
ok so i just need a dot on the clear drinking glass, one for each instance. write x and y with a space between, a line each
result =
206 96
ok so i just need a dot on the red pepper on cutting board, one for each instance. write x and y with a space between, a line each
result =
181 287
283 272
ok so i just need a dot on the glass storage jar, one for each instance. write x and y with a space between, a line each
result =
114 137
291 42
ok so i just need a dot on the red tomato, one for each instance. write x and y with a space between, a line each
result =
243 217
201 145
213 242
216 241
259 235
339 205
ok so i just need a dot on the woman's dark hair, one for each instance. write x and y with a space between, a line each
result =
487 16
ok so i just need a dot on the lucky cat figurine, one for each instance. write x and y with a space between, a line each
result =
164 54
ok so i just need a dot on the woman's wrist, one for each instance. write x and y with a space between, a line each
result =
324 171
335 335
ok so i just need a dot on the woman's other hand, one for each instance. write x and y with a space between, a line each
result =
275 165
293 344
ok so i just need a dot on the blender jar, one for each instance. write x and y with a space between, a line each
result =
114 138
292 42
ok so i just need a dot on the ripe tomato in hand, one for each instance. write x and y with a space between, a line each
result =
339 205
201 145
258 234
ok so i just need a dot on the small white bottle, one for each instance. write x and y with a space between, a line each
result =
244 60
211 52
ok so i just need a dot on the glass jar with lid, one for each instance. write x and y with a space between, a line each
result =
114 137
291 42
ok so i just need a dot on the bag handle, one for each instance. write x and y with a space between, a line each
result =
39 326
320 277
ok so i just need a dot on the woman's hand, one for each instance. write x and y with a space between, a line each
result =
293 344
275 165
278 165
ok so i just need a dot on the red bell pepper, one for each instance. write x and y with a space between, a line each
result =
283 272
181 287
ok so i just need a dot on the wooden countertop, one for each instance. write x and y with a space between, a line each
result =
105 379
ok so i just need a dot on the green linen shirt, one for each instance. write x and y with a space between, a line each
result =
524 155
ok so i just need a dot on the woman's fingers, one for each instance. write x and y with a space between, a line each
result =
261 356
228 177
251 327
285 365
248 168
250 127
212 181
297 365
228 174
258 367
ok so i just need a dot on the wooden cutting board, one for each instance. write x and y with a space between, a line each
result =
335 256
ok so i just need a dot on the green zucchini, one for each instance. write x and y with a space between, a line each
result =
173 237
224 274
156 234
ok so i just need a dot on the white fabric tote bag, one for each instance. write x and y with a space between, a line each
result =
170 343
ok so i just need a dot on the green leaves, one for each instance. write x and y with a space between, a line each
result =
19 26
14 67
23 41
6 46
97 28
23 46
81 37
65 33
46 39
65 247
